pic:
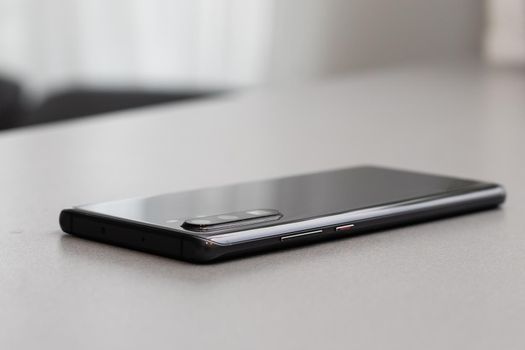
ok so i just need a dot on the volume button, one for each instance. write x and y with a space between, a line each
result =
284 238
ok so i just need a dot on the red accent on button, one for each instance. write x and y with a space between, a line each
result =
344 227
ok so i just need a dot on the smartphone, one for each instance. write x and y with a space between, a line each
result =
223 222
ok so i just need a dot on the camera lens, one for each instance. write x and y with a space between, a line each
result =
259 212
200 222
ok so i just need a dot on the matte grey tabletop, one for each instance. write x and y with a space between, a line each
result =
457 283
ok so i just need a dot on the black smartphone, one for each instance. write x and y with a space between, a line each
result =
216 223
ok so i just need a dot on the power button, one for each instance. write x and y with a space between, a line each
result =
344 227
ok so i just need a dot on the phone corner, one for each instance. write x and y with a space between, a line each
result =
502 193
201 250
65 220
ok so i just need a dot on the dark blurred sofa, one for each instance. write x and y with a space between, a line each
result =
79 102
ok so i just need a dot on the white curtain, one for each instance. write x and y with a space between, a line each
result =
505 35
48 44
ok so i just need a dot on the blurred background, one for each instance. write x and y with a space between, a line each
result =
62 59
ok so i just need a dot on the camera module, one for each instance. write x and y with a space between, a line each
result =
228 217
231 220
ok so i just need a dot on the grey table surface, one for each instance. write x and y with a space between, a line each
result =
457 283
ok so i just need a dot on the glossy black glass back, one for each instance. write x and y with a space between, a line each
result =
296 198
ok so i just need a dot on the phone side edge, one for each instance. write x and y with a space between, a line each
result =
429 208
138 236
